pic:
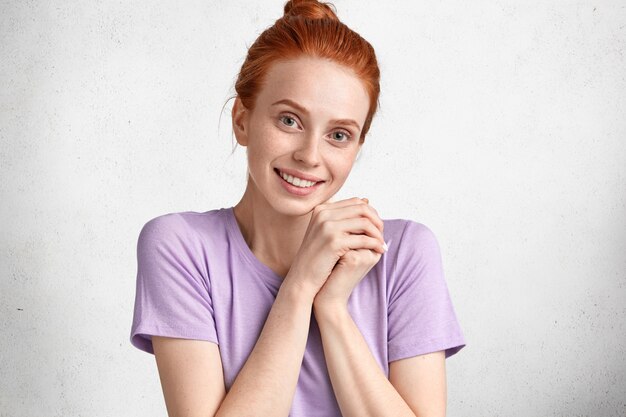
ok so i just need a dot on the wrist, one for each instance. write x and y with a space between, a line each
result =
298 290
324 308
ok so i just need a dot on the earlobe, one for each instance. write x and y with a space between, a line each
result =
239 116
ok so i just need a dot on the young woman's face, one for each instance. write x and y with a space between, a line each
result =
301 121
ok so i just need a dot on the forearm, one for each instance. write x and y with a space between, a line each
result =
360 386
266 384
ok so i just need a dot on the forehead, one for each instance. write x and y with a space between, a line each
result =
321 86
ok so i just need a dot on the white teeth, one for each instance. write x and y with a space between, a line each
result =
296 181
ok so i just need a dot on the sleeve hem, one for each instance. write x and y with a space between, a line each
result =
451 345
141 336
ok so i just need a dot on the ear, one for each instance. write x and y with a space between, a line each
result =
240 122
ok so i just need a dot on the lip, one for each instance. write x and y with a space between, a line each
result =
301 175
292 189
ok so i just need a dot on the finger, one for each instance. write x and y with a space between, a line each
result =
355 203
366 252
378 221
333 211
360 225
380 224
343 203
337 204
365 242
359 209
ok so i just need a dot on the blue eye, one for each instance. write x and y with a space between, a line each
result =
283 117
346 134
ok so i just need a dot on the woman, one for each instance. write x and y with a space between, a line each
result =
288 303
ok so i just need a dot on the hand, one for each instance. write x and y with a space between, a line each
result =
347 273
334 229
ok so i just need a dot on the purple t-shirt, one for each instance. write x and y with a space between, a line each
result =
198 279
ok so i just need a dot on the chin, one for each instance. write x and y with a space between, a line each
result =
296 208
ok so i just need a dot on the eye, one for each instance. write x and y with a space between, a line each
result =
345 134
287 117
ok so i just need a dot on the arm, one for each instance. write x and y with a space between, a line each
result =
191 370
360 386
421 380
191 375
266 384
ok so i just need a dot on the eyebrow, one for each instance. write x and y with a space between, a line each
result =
305 111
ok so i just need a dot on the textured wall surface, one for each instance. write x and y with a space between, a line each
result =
502 127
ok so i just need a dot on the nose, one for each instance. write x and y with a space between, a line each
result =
308 150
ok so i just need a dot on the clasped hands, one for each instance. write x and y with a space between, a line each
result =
347 273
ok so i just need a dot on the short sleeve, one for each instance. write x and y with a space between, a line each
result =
421 317
172 296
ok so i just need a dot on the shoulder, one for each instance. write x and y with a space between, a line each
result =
164 227
178 229
414 257
180 222
406 234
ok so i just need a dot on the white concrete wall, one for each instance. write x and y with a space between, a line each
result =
502 127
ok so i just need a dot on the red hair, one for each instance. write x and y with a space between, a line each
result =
310 28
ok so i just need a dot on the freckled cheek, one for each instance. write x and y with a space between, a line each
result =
338 167
274 137
268 141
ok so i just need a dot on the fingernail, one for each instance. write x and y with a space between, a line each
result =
385 246
366 200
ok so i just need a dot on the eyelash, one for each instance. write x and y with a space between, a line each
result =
344 132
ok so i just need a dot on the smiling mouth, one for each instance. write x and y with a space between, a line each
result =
277 171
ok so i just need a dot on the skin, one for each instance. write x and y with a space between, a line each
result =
282 136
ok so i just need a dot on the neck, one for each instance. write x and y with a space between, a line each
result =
274 237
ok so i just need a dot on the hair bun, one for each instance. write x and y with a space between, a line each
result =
310 9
